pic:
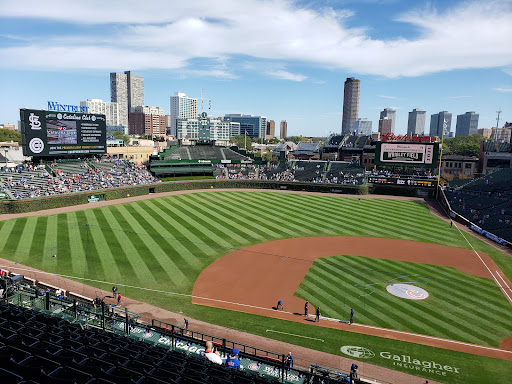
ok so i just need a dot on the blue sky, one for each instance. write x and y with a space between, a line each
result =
283 59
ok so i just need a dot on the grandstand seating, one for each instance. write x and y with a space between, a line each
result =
309 170
31 180
486 202
44 349
345 173
203 152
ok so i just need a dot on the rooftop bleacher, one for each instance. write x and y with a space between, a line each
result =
203 152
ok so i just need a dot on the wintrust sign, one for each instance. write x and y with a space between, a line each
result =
56 106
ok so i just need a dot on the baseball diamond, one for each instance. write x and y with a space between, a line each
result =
236 253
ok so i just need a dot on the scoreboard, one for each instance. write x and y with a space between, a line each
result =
53 133
405 153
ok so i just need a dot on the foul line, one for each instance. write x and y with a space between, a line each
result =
293 334
483 262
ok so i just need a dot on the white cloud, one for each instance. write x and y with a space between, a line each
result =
285 75
503 89
169 35
459 97
387 97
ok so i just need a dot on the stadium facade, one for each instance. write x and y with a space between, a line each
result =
204 128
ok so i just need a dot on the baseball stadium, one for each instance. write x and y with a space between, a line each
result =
110 274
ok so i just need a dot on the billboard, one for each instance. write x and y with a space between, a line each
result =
52 133
416 154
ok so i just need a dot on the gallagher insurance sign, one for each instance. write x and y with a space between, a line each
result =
53 133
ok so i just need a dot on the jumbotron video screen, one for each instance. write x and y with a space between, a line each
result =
51 133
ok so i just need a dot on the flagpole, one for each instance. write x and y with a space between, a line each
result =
440 159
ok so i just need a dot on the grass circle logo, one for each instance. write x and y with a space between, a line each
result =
407 291
357 352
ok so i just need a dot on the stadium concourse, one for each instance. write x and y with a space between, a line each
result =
71 338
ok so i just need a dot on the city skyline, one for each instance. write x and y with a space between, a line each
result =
437 56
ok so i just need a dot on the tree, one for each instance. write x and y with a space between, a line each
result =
9 134
241 141
463 145
120 135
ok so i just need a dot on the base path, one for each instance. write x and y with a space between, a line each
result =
253 279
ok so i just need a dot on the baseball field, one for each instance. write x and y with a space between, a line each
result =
156 249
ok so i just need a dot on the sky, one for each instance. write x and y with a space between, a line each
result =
283 59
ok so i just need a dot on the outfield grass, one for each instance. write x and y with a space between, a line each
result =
459 307
164 243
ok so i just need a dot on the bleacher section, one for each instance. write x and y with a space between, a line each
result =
50 339
486 202
339 172
204 152
29 180
311 171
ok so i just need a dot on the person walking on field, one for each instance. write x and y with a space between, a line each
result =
280 304
317 315
114 291
351 315
306 308
119 299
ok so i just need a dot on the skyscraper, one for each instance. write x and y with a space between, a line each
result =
362 127
467 124
271 130
350 104
128 91
390 113
438 121
416 123
253 126
385 126
283 129
182 107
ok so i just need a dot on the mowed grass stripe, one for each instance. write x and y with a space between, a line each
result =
437 311
403 316
76 246
308 221
207 228
174 258
11 243
417 309
364 224
402 219
186 250
50 245
231 219
188 234
238 234
120 257
273 214
397 223
37 242
105 259
23 250
158 254
247 219
5 232
260 216
137 263
91 253
64 247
